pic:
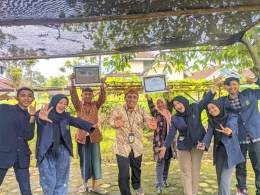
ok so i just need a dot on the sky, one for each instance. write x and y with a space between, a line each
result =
50 67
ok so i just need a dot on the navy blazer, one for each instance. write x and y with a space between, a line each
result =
45 133
13 140
179 124
248 115
231 143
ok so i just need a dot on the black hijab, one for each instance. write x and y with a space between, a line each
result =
214 122
188 118
221 118
56 119
53 115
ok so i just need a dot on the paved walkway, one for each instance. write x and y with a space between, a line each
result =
208 183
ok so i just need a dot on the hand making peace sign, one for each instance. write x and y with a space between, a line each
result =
225 130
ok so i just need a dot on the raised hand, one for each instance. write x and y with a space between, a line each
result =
251 80
72 76
168 89
103 81
32 109
225 130
5 96
168 93
201 146
218 80
44 112
162 152
152 124
146 95
118 122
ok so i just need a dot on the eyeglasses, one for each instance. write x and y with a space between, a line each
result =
131 97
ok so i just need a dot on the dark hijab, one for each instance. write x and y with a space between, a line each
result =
53 115
214 122
188 118
221 118
56 119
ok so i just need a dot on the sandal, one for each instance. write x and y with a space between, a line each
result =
83 188
98 191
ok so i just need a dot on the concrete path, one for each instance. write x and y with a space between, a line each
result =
208 183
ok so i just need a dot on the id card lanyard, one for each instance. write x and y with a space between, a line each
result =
131 136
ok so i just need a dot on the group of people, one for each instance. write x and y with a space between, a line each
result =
233 121
53 145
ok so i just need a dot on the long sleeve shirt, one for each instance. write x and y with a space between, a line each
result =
89 112
134 123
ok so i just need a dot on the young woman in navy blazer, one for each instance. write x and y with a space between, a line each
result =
226 149
187 121
54 145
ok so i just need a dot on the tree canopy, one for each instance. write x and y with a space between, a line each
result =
205 33
70 28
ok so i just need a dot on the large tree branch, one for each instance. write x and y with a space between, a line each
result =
256 39
253 53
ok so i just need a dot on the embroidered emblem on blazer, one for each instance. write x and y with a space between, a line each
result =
247 102
181 138
67 127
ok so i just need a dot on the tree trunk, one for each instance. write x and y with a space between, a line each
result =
253 53
256 38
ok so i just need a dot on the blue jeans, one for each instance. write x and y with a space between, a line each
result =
162 170
22 177
54 172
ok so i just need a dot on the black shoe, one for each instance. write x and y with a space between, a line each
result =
165 183
159 190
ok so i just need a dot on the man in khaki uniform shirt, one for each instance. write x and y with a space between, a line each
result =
129 121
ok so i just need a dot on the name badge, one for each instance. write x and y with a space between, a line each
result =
131 137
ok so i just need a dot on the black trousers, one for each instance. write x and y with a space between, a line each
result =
22 176
124 176
241 171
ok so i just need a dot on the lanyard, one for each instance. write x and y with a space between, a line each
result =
131 125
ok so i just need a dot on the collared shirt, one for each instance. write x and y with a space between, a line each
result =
134 122
89 112
235 103
249 139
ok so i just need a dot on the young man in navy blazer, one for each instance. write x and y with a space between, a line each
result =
245 105
16 128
